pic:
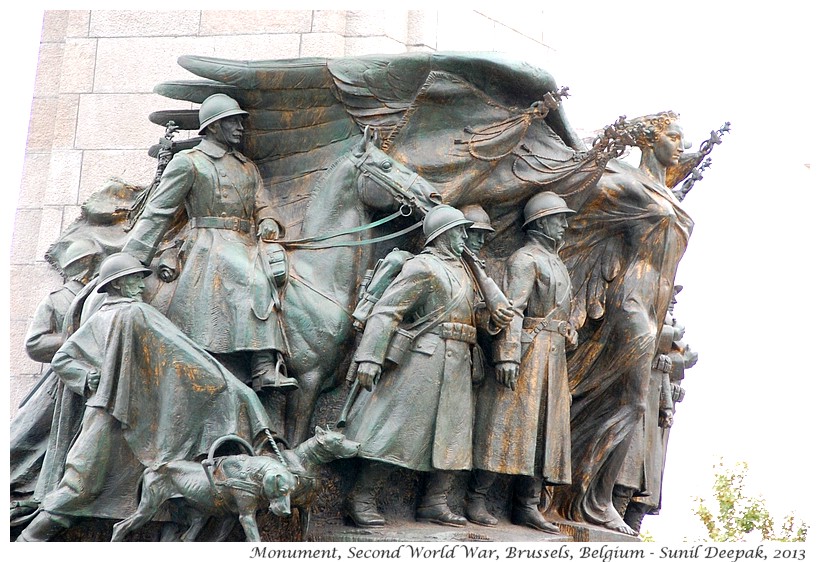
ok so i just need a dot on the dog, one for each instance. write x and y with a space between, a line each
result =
325 446
237 485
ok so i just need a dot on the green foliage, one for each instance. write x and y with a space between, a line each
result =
739 517
646 536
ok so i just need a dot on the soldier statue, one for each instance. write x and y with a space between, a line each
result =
151 396
522 417
481 226
32 424
414 363
677 357
224 299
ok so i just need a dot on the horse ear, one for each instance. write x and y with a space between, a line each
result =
362 146
319 431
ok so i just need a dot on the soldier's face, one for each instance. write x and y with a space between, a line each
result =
130 286
232 129
456 239
475 239
554 226
79 269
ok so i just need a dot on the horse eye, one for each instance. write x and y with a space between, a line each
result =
386 165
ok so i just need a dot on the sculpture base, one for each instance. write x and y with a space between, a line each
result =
405 532
583 532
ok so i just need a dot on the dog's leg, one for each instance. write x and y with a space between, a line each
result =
248 521
198 521
170 532
225 527
153 496
304 521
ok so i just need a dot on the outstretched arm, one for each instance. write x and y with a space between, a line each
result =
160 210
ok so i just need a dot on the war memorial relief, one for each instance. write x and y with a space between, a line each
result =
370 298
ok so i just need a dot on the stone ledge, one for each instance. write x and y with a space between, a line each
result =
582 532
411 531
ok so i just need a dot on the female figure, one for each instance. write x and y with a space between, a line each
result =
622 250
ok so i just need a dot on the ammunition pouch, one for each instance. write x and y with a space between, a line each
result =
403 340
457 331
277 264
533 326
399 345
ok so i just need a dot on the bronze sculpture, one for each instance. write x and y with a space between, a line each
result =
678 357
639 479
346 164
522 416
31 426
236 485
622 250
223 299
321 107
418 414
128 424
480 228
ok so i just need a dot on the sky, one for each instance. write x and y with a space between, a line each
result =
749 271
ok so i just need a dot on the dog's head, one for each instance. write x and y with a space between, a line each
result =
277 484
334 445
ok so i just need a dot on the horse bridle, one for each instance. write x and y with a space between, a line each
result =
407 203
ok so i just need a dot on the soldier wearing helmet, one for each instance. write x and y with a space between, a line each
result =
415 360
223 298
480 227
31 425
150 395
522 417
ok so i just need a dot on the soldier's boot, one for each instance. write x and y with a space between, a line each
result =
525 505
433 507
268 371
42 528
634 515
476 509
360 504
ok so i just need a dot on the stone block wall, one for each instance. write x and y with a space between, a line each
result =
94 92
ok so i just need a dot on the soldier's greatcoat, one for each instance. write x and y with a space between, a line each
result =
526 430
31 425
160 398
420 414
223 298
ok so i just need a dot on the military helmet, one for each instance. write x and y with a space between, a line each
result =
216 107
479 217
440 219
78 250
543 204
119 265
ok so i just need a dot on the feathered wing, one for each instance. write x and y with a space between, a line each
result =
304 113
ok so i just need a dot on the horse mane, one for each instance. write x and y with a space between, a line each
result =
323 179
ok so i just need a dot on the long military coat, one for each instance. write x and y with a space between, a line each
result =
160 398
223 298
526 430
31 425
420 414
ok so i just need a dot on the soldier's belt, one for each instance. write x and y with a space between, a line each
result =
456 331
535 325
225 223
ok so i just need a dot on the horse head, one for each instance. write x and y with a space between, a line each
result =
387 184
